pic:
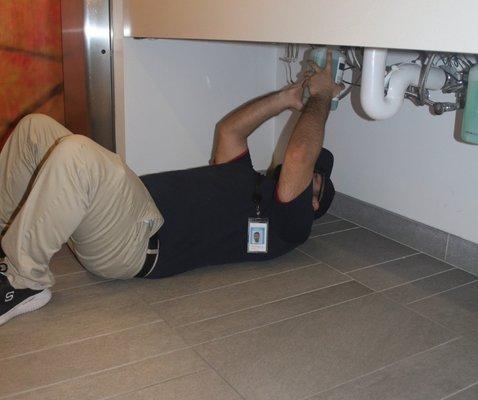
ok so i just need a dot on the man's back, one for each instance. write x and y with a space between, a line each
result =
206 212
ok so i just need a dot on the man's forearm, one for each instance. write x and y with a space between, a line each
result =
308 136
303 149
247 118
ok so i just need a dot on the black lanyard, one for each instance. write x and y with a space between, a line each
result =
257 196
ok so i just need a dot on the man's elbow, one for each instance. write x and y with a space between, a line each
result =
224 129
301 157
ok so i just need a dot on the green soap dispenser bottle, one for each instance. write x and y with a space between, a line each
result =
469 128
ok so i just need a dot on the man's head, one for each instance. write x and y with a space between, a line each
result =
316 190
323 193
323 190
257 237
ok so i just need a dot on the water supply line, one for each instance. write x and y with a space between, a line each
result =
380 105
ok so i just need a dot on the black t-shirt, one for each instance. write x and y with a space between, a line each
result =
206 212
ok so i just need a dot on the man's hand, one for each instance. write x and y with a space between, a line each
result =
293 94
321 82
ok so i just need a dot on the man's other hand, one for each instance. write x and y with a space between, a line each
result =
293 94
321 82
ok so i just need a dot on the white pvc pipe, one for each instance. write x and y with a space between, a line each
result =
372 94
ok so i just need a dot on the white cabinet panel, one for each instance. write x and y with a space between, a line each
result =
440 25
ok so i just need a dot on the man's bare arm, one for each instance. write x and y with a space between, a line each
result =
232 132
307 138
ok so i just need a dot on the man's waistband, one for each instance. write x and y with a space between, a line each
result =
152 256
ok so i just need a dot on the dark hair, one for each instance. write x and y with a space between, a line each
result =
328 193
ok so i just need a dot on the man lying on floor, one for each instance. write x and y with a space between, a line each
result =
56 186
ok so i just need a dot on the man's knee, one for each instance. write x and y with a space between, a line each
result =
72 144
68 150
78 148
31 120
32 126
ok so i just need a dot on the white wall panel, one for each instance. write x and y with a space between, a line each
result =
176 91
410 164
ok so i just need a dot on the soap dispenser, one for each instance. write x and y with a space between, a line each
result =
469 129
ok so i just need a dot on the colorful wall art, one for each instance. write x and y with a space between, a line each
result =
31 76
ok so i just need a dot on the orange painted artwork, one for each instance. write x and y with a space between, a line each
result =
31 74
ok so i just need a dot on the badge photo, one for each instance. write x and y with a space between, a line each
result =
257 235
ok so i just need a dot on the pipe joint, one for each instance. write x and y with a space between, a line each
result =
375 102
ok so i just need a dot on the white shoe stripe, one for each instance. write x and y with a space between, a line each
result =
32 303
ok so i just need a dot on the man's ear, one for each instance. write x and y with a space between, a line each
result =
315 203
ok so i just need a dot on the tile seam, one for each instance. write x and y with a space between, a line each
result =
402 243
332 233
316 263
263 304
405 306
381 368
197 372
444 291
382 262
81 286
326 223
459 391
219 374
281 320
156 321
99 372
446 246
414 280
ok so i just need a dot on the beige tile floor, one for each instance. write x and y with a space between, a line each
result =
350 315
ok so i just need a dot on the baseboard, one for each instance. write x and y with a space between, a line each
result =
439 244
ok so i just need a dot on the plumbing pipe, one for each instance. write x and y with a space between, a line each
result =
374 102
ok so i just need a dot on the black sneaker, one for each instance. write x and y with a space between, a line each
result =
14 302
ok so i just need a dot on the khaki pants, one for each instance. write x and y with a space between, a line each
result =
79 191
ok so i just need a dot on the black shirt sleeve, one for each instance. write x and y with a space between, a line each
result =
294 219
242 159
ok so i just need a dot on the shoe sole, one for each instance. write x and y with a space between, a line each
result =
31 304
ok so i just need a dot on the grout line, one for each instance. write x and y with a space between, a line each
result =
194 350
83 339
382 368
382 262
99 372
324 263
444 291
218 373
412 310
414 280
238 283
307 254
332 233
114 396
404 244
263 304
446 246
326 223
81 286
459 391
281 320
447 329
368 266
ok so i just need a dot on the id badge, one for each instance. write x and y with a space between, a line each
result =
257 235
